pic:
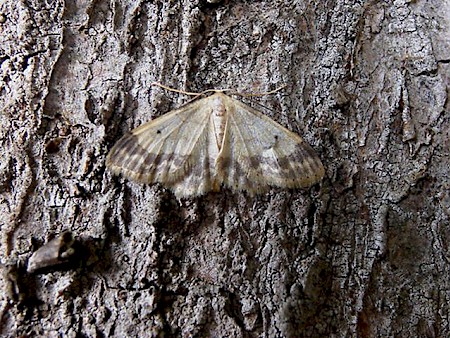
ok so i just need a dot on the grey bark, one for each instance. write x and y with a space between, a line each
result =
364 254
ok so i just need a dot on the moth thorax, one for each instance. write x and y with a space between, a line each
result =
219 120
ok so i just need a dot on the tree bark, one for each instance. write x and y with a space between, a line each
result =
362 254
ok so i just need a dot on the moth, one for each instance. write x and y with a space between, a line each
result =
212 142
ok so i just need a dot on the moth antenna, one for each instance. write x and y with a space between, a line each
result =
189 93
259 94
175 90
217 90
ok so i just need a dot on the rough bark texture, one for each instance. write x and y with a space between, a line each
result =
364 254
